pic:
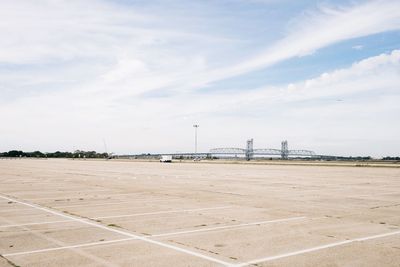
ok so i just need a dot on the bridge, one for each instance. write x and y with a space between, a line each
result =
249 152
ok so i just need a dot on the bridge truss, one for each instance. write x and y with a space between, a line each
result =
249 152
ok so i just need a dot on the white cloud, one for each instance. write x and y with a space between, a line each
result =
305 112
378 74
308 33
316 30
116 41
108 46
79 71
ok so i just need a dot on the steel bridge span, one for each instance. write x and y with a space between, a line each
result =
249 152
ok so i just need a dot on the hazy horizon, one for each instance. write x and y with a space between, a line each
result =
323 75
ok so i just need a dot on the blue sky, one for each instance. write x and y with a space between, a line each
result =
324 75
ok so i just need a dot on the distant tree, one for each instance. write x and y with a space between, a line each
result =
57 154
15 153
391 158
37 154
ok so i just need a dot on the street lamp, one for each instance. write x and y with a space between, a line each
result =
195 137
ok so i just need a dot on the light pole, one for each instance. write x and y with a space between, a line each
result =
195 137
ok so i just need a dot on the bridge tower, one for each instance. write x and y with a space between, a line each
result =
249 149
284 149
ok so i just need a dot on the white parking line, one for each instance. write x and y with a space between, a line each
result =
228 227
27 224
68 247
111 194
90 205
55 198
145 239
115 203
308 250
157 235
66 192
161 212
119 216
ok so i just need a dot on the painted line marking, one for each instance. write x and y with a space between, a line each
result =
157 235
66 192
145 239
90 205
117 216
111 194
115 203
161 212
228 227
38 223
308 250
68 247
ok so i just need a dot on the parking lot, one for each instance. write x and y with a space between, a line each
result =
114 213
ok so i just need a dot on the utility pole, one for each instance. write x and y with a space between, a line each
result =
105 146
195 137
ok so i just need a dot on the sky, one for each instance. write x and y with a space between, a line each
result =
135 76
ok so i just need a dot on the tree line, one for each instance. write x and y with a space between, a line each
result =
57 154
391 158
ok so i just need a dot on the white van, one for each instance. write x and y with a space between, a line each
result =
166 158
